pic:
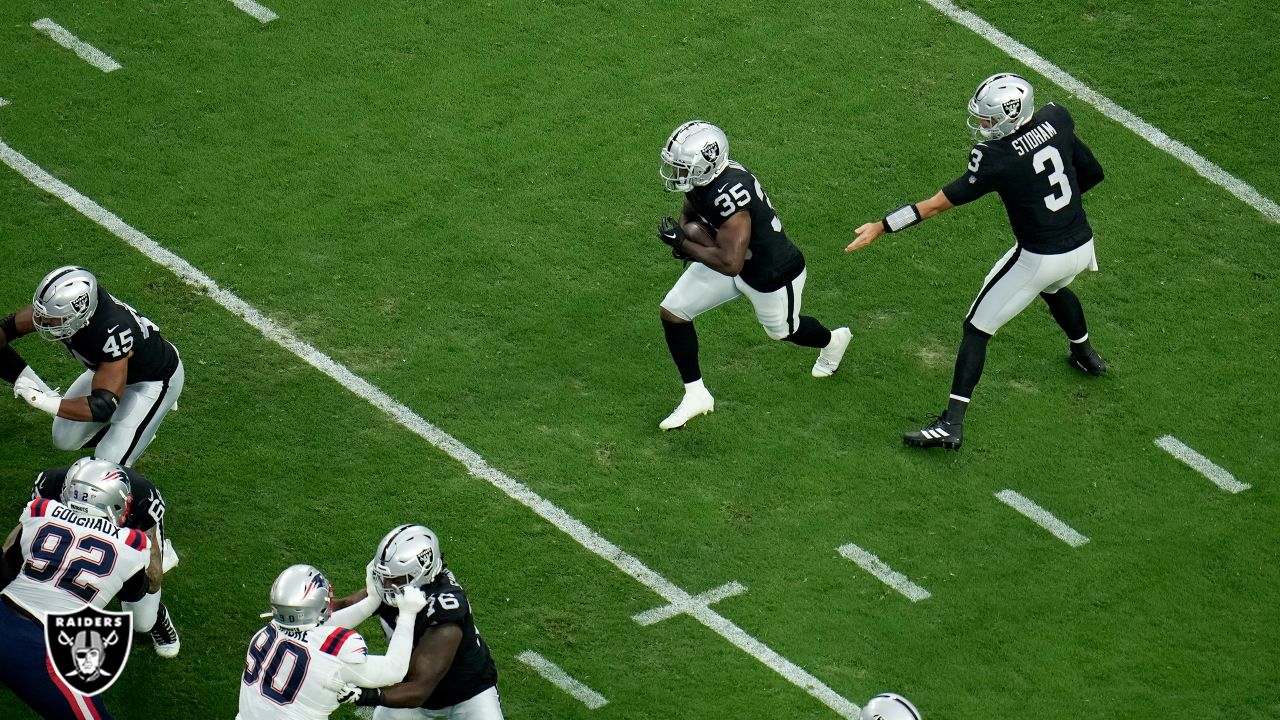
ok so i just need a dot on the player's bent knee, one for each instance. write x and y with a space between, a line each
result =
674 316
971 329
66 436
777 333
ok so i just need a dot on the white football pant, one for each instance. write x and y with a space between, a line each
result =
1019 277
132 426
700 289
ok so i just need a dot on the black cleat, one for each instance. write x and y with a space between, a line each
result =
939 433
1088 361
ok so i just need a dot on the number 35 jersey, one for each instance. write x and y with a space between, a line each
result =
772 259
472 671
71 560
295 674
1040 172
113 332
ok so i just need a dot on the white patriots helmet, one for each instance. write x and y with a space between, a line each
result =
408 556
97 488
1003 103
889 706
64 302
694 155
301 598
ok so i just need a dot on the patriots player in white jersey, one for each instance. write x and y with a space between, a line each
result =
298 663
67 554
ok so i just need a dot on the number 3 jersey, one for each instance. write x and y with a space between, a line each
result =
296 674
1040 172
69 560
472 671
772 259
113 332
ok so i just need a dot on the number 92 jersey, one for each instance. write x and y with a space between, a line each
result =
772 259
1040 172
71 560
114 331
294 674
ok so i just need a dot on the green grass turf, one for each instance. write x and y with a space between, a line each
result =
457 202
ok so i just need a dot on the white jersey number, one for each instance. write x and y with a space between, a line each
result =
1050 154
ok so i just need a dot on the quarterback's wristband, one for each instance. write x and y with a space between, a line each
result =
370 697
901 219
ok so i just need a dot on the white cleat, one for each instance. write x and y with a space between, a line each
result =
693 405
829 359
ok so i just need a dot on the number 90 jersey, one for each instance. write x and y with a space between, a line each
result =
772 259
1040 172
114 331
295 674
472 671
70 560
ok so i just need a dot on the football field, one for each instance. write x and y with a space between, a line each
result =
407 253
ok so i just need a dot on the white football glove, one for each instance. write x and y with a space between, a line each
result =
38 396
410 600
348 694
31 376
372 585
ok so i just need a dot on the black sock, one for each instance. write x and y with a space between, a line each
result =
11 364
682 341
1067 311
811 333
969 362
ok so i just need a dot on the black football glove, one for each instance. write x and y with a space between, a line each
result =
670 232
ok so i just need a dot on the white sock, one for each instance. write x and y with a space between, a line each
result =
695 387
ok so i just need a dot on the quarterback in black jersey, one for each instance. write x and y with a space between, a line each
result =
730 232
451 672
145 513
132 376
1040 169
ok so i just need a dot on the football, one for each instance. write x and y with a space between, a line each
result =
701 233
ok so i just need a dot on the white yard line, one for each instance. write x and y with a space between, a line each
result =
1106 106
886 574
666 612
476 465
262 13
562 679
1201 464
87 52
1042 517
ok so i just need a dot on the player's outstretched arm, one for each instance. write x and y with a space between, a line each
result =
380 670
351 611
16 325
900 219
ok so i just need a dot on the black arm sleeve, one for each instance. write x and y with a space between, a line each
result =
11 364
135 587
1088 169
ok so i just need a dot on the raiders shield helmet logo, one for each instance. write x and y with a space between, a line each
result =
1012 108
711 151
81 303
88 648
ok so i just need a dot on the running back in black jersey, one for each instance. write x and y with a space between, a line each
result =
772 259
116 329
472 671
146 506
1041 171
